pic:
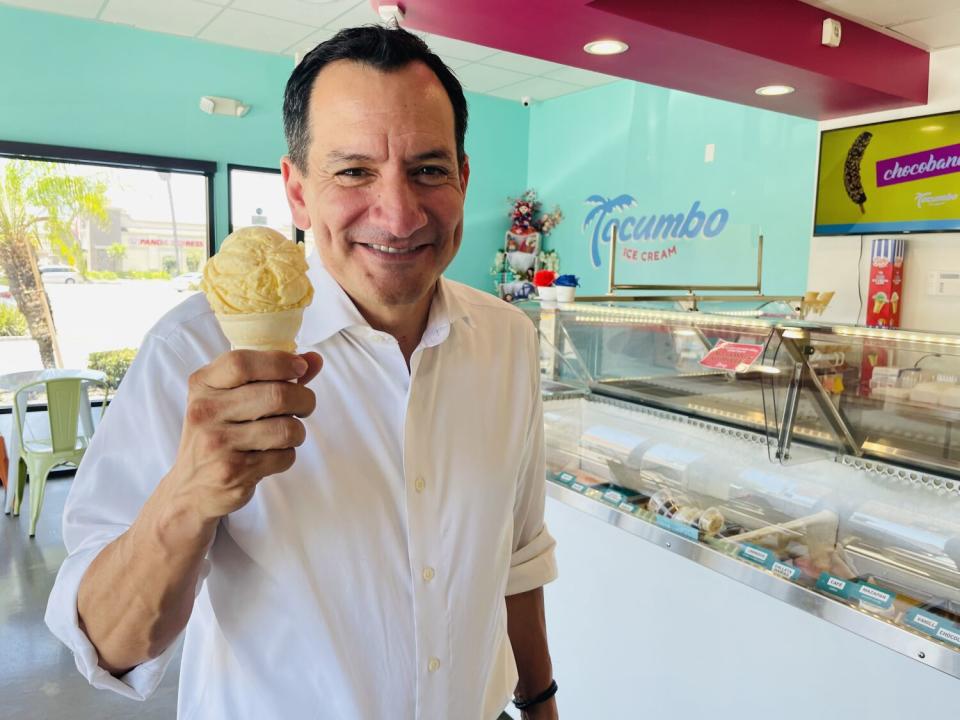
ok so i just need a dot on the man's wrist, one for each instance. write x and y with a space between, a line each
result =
528 702
174 522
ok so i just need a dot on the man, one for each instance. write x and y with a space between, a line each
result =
378 570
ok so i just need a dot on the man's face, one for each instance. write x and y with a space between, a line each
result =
382 190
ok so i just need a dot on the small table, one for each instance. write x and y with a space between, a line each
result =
11 382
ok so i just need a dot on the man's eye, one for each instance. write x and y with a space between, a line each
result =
432 174
352 172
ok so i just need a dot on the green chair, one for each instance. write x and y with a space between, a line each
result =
65 445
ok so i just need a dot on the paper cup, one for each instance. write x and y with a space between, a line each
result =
565 294
548 293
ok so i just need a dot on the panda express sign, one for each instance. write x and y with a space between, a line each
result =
607 214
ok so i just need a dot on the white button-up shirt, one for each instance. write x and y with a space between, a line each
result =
368 581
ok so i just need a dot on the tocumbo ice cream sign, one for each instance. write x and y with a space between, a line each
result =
608 213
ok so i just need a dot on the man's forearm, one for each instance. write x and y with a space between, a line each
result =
527 627
137 595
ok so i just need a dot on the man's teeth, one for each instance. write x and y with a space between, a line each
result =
392 250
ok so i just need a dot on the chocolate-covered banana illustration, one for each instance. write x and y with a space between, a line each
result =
851 170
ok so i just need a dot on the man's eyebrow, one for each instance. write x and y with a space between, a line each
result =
335 156
435 154
344 156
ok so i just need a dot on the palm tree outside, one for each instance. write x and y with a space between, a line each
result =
41 202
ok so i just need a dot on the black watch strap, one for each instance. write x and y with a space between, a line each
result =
537 699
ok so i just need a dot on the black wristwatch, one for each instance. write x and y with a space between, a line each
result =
537 699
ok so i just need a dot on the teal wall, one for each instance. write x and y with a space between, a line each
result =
94 85
649 142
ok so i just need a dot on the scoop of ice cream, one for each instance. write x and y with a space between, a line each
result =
257 270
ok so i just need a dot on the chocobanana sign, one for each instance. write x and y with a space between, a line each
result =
898 176
647 237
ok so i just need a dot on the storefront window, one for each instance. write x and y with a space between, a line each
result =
94 253
257 197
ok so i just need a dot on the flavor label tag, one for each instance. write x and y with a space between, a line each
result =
758 555
835 586
613 497
565 478
875 596
785 571
627 507
578 487
593 494
678 528
922 621
949 633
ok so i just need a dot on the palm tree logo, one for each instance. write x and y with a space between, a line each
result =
601 208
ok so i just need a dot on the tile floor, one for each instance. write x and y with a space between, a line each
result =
38 679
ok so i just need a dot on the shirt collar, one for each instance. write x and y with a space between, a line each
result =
332 310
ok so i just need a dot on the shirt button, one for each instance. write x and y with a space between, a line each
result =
420 483
433 665
428 574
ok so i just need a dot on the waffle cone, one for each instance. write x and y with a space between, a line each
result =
263 331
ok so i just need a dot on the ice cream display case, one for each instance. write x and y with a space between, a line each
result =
818 464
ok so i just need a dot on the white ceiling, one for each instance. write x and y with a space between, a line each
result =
290 26
930 24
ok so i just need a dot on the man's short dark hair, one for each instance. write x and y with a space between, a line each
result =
383 48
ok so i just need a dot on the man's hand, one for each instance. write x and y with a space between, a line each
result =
241 426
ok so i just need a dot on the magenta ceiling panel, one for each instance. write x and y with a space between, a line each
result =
718 48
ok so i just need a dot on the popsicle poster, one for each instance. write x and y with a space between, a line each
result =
898 176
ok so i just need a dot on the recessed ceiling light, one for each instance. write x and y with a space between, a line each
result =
774 90
606 47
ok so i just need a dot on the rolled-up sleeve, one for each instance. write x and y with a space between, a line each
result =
533 563
132 448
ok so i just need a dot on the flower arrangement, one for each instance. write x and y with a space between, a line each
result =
525 218
544 278
522 256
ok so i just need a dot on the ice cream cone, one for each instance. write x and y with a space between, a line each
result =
257 286
262 331
895 300
879 300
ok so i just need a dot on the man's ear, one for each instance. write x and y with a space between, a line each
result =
465 174
293 185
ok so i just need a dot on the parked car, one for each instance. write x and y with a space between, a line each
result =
59 274
6 297
187 281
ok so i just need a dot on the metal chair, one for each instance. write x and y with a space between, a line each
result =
65 445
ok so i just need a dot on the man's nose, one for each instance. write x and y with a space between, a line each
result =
397 209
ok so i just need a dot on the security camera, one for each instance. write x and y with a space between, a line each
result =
525 101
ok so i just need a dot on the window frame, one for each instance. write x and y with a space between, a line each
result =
130 161
125 160
298 235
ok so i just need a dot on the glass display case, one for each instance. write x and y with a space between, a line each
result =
816 463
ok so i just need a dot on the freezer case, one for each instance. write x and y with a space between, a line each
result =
815 463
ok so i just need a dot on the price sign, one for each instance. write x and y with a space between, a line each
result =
737 357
